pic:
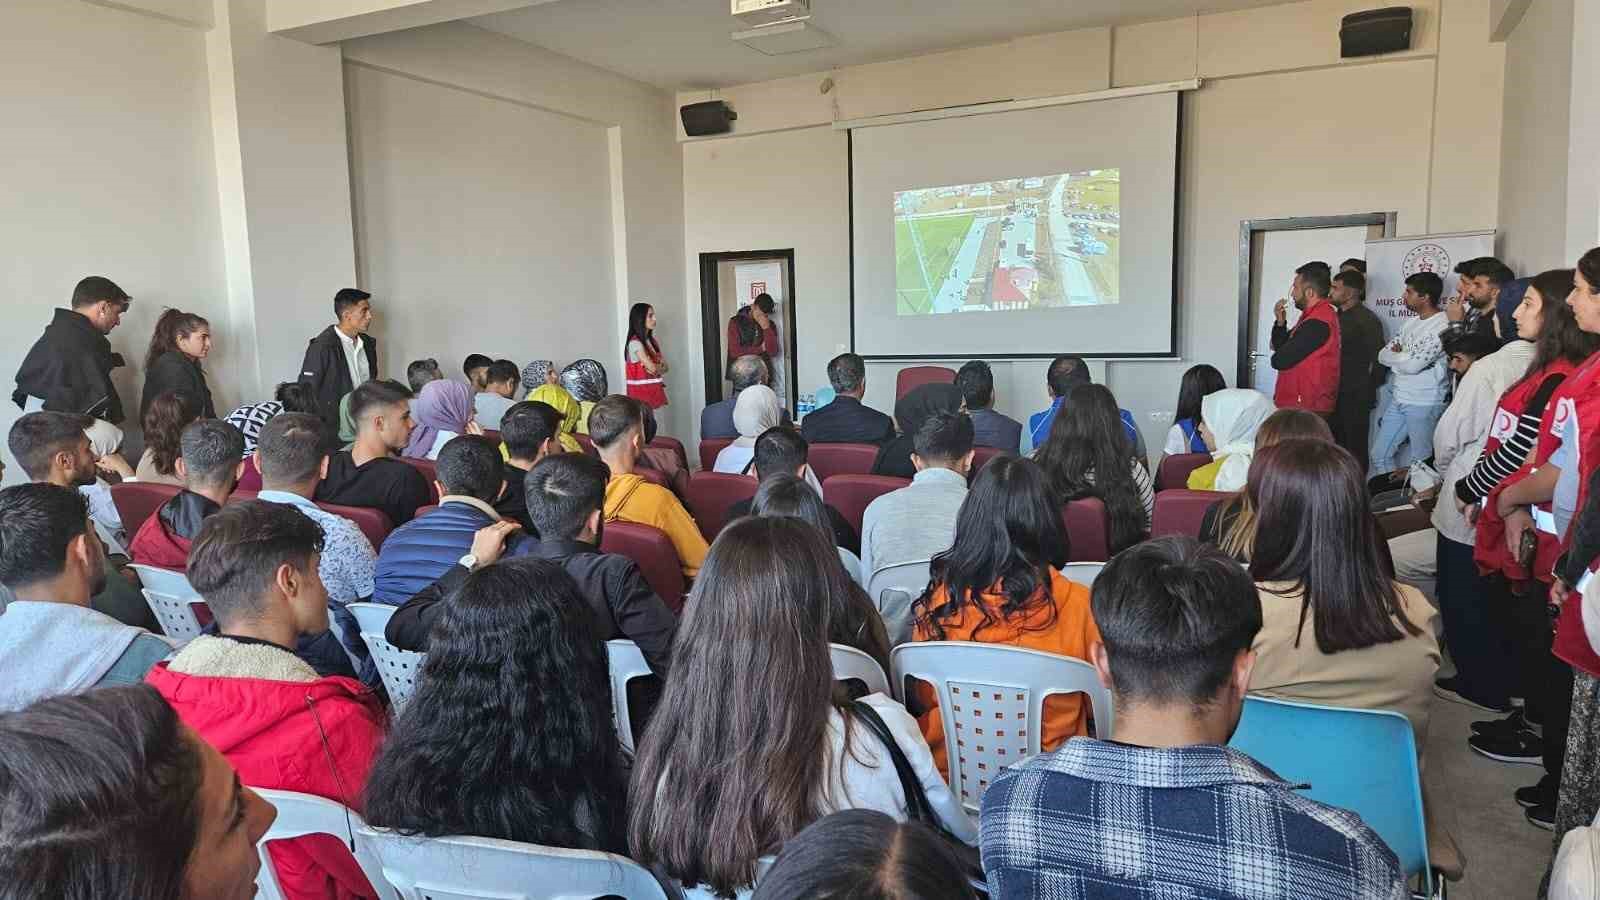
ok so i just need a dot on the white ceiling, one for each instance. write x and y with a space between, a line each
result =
684 44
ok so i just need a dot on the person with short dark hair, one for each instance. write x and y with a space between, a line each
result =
1360 340
180 343
616 425
752 332
1307 355
1177 620
716 420
212 460
343 357
476 368
51 640
917 406
1063 375
529 431
107 794
1353 264
422 371
975 381
470 478
68 369
863 854
1420 377
245 691
846 420
1479 282
368 474
782 451
501 381
1463 348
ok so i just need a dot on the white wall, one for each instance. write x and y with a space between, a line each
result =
1533 174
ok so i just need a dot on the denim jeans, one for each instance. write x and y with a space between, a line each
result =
1404 423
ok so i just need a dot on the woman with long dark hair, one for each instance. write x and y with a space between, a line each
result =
753 740
164 421
180 343
1088 455
1000 583
1184 435
509 734
645 362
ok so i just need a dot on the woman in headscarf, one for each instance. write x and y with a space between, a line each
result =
556 396
1229 420
290 396
910 411
585 380
443 411
756 410
537 374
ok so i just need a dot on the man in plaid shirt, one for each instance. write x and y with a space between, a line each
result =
1166 810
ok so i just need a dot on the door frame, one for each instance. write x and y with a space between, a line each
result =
1249 228
712 325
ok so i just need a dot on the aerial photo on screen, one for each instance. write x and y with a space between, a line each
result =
1018 243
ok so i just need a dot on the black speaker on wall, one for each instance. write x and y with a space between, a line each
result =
1375 31
710 117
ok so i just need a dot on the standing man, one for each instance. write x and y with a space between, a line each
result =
1307 356
1473 308
343 357
1360 339
69 367
1421 377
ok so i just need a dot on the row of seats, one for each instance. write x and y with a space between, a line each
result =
137 501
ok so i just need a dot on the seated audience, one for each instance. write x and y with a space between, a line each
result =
539 373
1231 523
178 345
999 584
862 854
975 381
164 420
663 459
210 466
917 406
422 371
528 432
759 617
918 521
565 495
1177 620
476 368
51 641
1462 349
716 420
556 397
491 403
1086 455
105 441
522 751
756 410
290 396
367 474
154 811
1184 436
1229 420
847 420
246 692
617 428
585 380
1064 374
470 479
782 451
443 410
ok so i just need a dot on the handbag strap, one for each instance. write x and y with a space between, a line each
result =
918 808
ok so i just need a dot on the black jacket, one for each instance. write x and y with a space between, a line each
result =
328 374
846 421
175 372
621 602
69 368
1360 340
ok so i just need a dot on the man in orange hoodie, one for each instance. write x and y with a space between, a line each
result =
616 425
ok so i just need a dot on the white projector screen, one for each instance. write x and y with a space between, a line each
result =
1021 233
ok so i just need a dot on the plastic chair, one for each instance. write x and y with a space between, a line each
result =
852 494
652 551
913 377
709 448
173 601
303 814
374 523
710 495
1088 529
848 663
676 446
625 663
981 457
138 500
981 686
398 668
1173 473
893 589
1181 511
828 460
1363 760
474 868
1083 573
852 567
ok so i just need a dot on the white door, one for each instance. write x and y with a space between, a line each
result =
1274 257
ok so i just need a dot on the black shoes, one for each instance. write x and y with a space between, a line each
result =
1520 747
1517 721
1447 689
1542 816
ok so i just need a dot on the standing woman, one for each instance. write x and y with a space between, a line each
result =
180 342
645 362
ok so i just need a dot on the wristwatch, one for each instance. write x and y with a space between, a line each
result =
468 562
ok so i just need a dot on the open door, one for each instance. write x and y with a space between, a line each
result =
729 282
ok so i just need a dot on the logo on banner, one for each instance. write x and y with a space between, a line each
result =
757 288
1426 258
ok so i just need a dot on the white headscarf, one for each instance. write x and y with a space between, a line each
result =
756 410
1233 415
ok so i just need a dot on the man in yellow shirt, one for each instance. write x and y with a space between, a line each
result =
616 425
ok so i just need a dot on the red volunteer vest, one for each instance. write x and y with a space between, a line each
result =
1489 550
1583 403
1313 384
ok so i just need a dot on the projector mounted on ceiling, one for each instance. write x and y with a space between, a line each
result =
755 13
777 27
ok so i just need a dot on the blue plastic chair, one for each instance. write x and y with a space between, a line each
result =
1363 760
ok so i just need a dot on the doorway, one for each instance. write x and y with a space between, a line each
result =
730 281
1269 252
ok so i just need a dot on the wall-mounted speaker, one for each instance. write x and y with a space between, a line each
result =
710 117
1375 31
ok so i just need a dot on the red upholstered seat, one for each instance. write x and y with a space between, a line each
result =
914 377
710 495
138 500
981 457
424 510
492 435
1180 511
676 446
429 470
653 551
1088 530
372 522
250 479
709 448
587 445
1173 473
828 460
851 494
654 476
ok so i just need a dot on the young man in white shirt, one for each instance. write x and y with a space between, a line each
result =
1420 377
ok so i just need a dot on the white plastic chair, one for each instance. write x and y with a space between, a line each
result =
852 566
169 595
626 663
893 589
473 868
303 814
1083 573
848 662
763 865
398 668
991 703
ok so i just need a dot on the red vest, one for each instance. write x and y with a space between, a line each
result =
1313 383
1490 551
1583 403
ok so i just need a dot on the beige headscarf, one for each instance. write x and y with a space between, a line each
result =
756 410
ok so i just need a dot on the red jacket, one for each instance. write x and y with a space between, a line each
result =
273 733
1313 383
155 545
765 345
